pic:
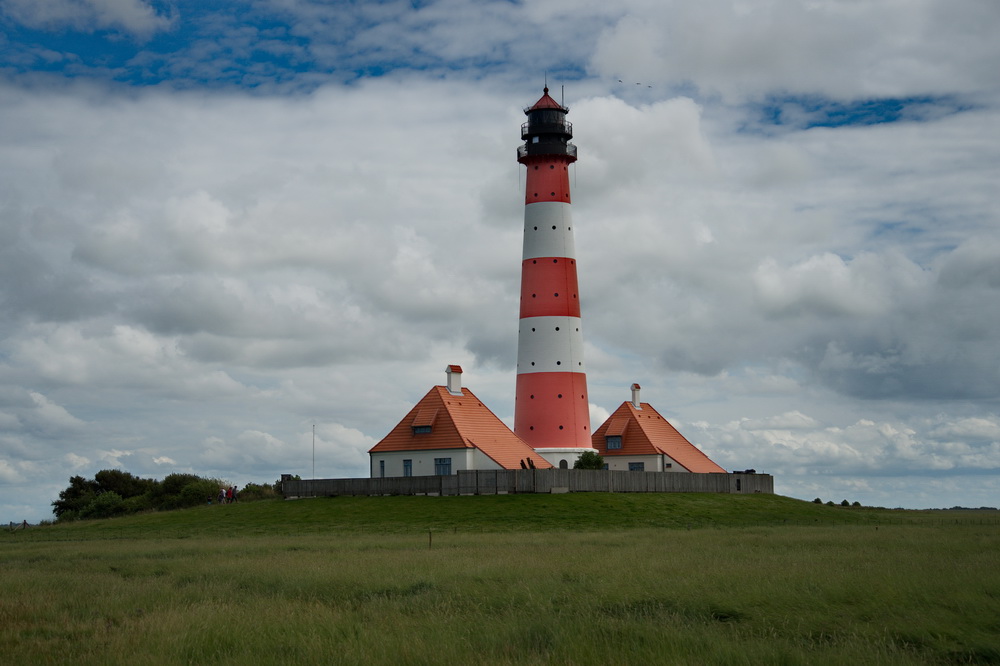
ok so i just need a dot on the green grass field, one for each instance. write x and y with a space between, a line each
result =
518 579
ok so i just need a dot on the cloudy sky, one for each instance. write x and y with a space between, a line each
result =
224 223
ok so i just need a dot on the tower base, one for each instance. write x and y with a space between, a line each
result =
560 455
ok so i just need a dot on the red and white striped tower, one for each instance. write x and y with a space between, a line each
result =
551 409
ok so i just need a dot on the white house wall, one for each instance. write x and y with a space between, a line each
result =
423 461
652 463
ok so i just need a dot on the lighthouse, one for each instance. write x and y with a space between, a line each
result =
551 408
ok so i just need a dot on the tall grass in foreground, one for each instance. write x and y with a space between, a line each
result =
843 594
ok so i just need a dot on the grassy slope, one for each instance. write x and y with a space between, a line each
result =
526 579
494 513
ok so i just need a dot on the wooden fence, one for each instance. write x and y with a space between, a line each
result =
493 482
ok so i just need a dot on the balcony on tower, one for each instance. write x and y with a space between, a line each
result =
546 148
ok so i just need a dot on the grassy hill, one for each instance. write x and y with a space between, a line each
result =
486 513
517 579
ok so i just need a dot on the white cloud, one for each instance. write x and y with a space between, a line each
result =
135 17
833 48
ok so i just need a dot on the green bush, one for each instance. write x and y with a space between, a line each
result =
589 460
123 483
256 491
114 492
138 504
75 498
173 484
105 505
199 492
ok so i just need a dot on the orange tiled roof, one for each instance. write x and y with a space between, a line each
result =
459 422
644 432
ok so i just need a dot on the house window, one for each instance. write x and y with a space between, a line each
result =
421 430
442 466
407 468
667 465
637 467
563 464
381 469
613 441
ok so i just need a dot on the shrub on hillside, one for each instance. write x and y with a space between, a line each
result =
198 492
75 497
256 491
173 484
138 504
123 483
105 505
589 460
113 492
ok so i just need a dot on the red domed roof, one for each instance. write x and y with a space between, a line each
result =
546 102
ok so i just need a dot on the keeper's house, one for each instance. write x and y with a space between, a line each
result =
447 431
638 439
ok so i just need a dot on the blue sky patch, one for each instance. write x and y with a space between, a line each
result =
805 112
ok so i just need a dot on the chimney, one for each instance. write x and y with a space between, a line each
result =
635 396
454 384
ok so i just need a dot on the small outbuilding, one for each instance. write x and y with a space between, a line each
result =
449 430
637 438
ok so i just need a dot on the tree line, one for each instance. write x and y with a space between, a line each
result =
113 492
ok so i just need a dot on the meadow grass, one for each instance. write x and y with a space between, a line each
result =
350 582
